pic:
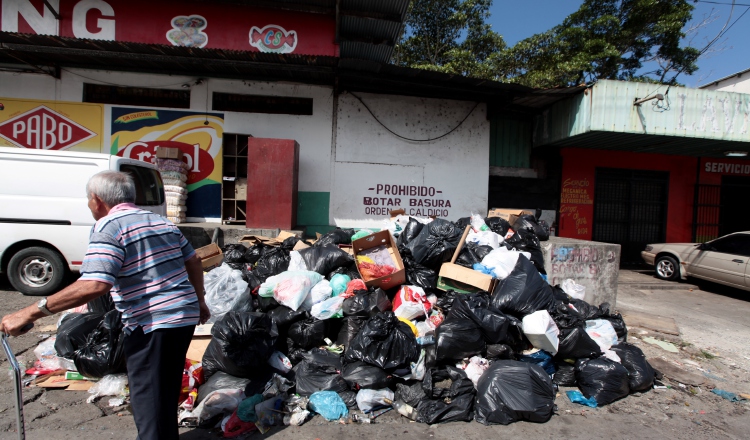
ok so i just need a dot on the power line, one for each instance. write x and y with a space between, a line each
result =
721 3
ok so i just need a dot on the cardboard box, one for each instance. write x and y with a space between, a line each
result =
462 279
168 153
252 240
210 255
382 238
509 215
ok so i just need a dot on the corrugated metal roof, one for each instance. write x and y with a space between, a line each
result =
366 51
378 31
397 7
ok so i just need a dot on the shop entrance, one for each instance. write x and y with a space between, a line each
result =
720 209
630 209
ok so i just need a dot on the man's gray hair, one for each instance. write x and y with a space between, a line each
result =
112 187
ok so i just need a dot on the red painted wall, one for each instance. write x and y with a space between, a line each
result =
578 185
227 26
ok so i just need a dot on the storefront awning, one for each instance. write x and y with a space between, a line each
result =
677 120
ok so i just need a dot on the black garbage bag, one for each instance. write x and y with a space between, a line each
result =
445 301
308 333
290 242
260 379
313 376
253 253
410 232
523 292
103 352
273 261
283 316
241 343
101 304
510 391
525 241
325 259
565 375
276 386
435 243
528 222
410 394
641 374
602 379
472 254
264 304
352 325
617 322
361 375
463 222
73 332
322 356
349 398
234 253
575 343
367 303
418 275
460 409
497 225
459 336
586 310
385 342
335 237
220 381
560 294
349 270
564 316
499 352
460 393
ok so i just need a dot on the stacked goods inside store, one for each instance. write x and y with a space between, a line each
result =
174 175
303 328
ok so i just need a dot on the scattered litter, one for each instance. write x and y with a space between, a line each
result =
665 345
732 397
575 396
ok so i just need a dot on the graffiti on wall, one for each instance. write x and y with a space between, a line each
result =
576 192
579 262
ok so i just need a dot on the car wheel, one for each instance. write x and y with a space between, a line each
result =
667 268
37 271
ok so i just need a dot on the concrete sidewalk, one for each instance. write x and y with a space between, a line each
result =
646 279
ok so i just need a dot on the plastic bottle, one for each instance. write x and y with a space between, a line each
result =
478 224
404 409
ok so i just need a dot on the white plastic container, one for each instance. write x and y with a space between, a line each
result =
542 331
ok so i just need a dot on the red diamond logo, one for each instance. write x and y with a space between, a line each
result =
44 129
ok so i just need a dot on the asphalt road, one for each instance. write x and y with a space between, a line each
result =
711 319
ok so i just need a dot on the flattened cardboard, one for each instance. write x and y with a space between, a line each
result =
507 214
210 255
252 240
80 385
197 347
382 238
462 279
300 245
203 330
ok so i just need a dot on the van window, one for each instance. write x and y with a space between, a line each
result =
149 189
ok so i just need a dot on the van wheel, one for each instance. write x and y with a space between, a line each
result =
37 271
667 268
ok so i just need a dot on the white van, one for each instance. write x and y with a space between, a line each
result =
45 221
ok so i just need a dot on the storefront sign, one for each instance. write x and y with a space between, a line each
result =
575 206
49 125
189 24
420 201
136 133
727 168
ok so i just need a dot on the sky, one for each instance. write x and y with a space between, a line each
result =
516 20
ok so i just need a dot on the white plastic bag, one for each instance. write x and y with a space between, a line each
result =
290 288
478 224
502 261
369 399
573 289
280 362
330 308
296 262
319 293
542 331
475 368
418 369
109 385
224 287
485 238
46 354
603 333
411 303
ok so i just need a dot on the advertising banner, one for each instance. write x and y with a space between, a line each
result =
51 125
136 133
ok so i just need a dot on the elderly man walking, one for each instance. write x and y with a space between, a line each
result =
156 281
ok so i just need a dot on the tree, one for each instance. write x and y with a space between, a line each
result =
604 39
449 36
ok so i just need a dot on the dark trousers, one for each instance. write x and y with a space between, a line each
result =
155 364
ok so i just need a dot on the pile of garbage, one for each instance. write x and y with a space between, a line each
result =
324 330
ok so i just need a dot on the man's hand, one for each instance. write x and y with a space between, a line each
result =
205 313
17 323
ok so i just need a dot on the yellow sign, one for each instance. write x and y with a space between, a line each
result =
137 116
51 125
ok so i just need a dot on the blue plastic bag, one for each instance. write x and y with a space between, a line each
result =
541 358
329 405
576 396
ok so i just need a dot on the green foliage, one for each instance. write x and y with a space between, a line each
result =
449 36
604 39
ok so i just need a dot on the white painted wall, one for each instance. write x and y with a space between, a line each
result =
367 155
739 83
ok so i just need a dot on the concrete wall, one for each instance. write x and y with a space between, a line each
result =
375 170
592 264
739 83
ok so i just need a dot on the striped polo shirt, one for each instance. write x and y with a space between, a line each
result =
142 256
